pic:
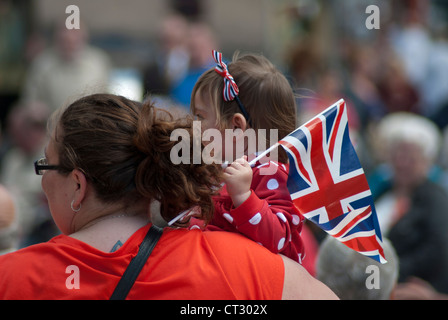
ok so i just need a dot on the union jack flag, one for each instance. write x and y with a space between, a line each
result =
328 185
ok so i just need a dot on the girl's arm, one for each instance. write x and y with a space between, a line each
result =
267 214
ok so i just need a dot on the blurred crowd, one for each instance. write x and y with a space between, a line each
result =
394 80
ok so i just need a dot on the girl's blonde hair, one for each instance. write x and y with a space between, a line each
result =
263 90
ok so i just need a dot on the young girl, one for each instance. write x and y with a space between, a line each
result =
252 94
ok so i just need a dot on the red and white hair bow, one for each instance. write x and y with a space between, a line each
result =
230 88
230 91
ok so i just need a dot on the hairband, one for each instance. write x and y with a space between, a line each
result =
230 91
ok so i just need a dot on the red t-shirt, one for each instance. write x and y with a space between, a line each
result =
185 264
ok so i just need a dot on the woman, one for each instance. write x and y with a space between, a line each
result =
412 208
106 160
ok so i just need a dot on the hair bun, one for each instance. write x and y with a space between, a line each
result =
177 186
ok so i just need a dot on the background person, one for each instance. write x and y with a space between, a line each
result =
8 222
68 70
23 142
411 207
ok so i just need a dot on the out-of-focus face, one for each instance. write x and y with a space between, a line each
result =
58 190
70 42
201 42
173 33
409 163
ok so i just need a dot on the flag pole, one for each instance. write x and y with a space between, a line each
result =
260 156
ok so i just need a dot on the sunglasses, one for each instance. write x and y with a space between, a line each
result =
41 165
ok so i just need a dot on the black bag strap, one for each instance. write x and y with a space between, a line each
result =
135 266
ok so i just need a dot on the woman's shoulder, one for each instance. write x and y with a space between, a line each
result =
38 255
226 244
236 247
246 261
252 264
241 263
30 268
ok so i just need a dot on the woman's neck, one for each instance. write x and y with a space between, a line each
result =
108 233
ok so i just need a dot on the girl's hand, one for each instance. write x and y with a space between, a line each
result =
238 178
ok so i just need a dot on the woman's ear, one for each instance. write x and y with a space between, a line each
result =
239 122
80 184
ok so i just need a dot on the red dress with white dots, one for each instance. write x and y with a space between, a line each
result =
268 216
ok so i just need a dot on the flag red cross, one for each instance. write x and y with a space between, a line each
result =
329 192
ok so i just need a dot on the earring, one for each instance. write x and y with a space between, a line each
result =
75 210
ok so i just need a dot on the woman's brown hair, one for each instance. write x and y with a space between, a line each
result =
123 148
263 90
